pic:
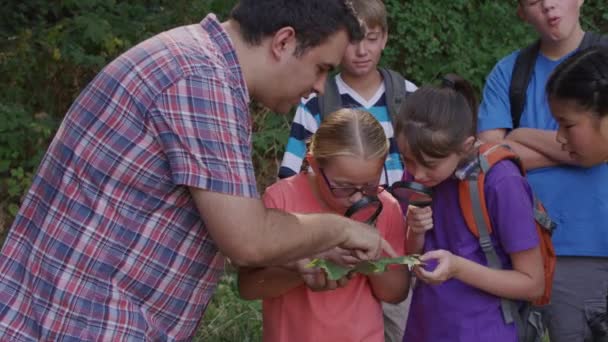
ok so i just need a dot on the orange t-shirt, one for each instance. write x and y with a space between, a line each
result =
351 313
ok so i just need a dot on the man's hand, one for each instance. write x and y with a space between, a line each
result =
366 243
339 256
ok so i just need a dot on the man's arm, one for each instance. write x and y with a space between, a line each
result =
251 235
531 158
266 282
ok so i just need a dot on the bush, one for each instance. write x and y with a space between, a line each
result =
428 39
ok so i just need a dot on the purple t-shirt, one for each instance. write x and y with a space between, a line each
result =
454 311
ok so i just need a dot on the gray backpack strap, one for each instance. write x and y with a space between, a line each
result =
509 308
331 100
486 242
395 92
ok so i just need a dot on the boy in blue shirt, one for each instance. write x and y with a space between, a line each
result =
576 198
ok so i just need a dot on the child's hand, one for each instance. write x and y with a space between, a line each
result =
315 278
447 267
340 256
419 220
319 282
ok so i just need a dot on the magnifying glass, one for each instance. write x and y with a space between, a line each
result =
413 193
365 210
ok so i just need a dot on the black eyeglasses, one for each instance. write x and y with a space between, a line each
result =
347 191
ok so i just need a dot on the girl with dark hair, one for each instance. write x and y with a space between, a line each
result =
578 96
458 296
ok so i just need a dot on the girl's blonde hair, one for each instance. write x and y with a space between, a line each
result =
349 132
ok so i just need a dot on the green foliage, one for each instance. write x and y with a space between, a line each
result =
428 39
270 136
335 271
229 318
49 51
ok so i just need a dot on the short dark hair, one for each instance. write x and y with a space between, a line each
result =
583 78
436 120
312 20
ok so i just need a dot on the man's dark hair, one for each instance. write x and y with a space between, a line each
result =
312 20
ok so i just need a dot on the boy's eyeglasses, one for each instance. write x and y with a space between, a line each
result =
347 191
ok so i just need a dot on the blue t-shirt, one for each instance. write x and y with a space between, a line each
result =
576 198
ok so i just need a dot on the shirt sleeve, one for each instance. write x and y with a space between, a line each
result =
304 125
510 205
203 127
273 197
495 108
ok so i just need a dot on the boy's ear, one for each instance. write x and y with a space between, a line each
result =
385 38
520 12
283 41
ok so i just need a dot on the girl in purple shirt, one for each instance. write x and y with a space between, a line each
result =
457 297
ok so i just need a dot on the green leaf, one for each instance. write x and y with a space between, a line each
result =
381 265
335 271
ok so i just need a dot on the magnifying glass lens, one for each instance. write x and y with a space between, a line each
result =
413 193
365 210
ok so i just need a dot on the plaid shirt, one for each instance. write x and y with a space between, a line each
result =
108 244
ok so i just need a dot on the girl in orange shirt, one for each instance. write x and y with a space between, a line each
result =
346 156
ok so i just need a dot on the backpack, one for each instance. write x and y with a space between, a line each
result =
395 93
524 66
473 206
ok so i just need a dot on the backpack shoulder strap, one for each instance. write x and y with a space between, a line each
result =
472 202
520 78
593 39
395 92
331 100
471 188
524 65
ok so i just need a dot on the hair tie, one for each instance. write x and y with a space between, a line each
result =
446 82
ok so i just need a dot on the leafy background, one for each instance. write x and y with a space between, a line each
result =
49 50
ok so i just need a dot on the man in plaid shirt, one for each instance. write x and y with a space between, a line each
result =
150 175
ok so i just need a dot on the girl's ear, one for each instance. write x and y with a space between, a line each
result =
521 14
312 162
468 144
